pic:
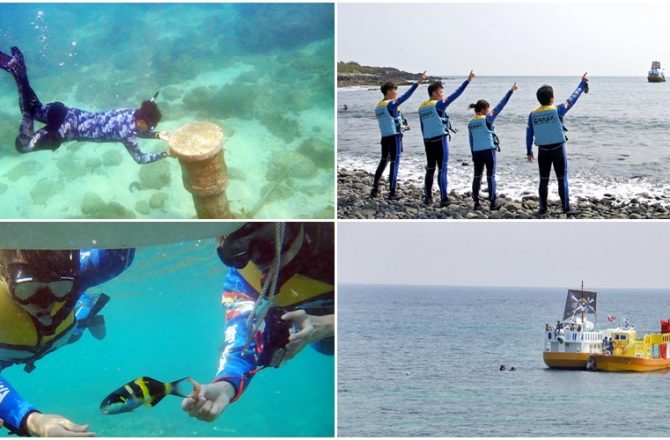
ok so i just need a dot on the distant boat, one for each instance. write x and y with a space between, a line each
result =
655 74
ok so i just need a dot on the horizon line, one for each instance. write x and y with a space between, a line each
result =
505 286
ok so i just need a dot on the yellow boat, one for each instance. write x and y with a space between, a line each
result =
635 355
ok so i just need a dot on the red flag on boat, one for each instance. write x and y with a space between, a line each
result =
611 318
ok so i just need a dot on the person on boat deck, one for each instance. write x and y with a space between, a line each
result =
545 126
484 145
43 306
304 300
435 128
64 124
390 126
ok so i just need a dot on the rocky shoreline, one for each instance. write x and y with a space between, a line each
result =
353 202
353 74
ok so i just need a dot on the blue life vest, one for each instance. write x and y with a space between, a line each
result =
388 125
482 136
432 124
547 126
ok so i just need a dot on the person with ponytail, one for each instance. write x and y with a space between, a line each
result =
484 144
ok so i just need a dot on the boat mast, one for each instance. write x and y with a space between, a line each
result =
583 324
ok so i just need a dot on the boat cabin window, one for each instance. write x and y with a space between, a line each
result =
620 337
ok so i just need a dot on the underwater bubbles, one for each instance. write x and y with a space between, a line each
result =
42 29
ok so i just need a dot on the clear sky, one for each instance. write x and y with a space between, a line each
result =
557 38
537 254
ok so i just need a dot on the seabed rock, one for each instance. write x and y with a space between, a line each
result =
157 201
155 175
142 207
112 158
320 152
45 189
93 206
23 169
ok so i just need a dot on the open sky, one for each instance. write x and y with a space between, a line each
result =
534 254
525 39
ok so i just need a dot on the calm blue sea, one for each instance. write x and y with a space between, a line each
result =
424 361
165 321
618 135
263 72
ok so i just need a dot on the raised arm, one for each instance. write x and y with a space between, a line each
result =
458 92
493 114
405 96
572 99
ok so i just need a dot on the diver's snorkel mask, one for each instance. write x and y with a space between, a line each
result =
255 242
27 288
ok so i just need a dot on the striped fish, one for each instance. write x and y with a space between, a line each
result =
145 391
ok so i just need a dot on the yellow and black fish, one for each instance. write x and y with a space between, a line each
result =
145 391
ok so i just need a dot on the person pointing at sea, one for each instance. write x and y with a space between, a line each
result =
545 125
436 128
390 126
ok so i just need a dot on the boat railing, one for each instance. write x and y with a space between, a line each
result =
575 336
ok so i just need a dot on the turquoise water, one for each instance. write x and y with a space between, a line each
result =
165 321
263 72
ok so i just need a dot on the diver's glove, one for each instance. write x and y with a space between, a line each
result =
53 425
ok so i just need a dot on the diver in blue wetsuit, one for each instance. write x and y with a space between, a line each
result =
44 306
70 124
435 127
483 145
299 310
390 125
545 125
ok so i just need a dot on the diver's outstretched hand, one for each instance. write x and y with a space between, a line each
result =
310 329
209 402
165 135
471 75
53 425
585 78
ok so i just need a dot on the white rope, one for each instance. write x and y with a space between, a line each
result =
266 298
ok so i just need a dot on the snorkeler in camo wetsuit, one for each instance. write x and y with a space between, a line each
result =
63 123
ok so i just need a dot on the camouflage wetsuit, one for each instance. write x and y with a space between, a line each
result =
79 125
70 124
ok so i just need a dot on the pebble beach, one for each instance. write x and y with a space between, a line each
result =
354 202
